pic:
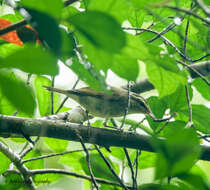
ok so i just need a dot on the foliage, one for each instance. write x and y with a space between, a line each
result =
93 38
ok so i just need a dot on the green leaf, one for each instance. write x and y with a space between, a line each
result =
144 3
118 153
13 17
176 155
125 63
14 181
201 119
202 87
147 159
125 67
52 8
195 181
8 49
99 167
98 57
16 92
43 96
136 48
101 29
39 163
207 2
172 127
157 106
88 74
73 161
31 59
4 164
6 107
176 100
153 186
119 9
57 145
166 78
69 11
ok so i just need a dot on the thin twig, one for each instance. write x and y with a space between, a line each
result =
28 79
205 136
194 70
199 59
186 35
204 7
66 98
88 162
163 127
167 41
165 30
189 12
54 154
16 160
127 107
46 171
12 27
110 167
61 105
24 147
138 152
190 121
131 168
69 2
164 119
23 153
52 96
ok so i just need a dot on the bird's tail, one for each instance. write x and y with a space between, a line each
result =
52 89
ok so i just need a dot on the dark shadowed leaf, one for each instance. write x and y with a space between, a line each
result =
47 28
52 8
101 29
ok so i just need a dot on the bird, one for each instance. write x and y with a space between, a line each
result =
107 105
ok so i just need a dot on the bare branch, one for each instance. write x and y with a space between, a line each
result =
15 159
68 131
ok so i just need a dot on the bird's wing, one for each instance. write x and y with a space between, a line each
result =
86 91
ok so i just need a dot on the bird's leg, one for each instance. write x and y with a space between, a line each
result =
113 122
87 118
88 123
161 120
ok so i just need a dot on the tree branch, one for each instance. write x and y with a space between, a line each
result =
73 174
17 162
69 131
144 85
